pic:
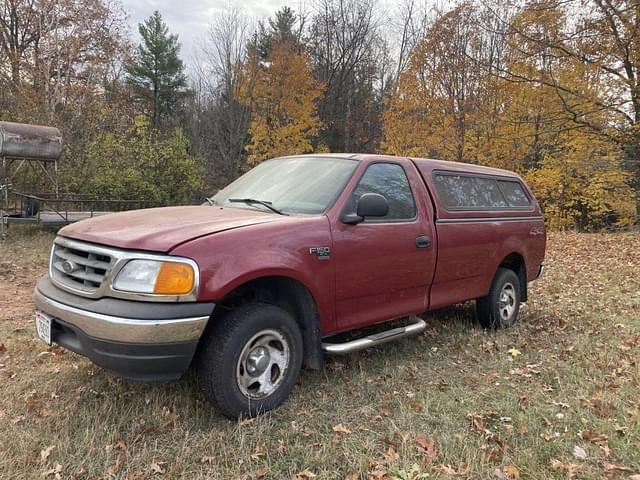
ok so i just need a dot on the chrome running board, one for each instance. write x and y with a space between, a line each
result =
416 326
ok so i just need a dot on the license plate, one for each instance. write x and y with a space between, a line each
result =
43 326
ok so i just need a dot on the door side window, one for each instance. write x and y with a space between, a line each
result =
390 181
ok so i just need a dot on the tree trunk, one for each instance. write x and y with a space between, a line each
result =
632 163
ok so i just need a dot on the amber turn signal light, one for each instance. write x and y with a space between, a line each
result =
174 279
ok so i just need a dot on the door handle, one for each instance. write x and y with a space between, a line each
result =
423 242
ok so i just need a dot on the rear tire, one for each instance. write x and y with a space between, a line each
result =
500 308
250 360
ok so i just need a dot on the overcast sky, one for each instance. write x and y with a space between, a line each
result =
189 18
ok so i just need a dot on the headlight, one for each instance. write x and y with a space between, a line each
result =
153 276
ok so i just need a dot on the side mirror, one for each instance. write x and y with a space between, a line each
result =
369 205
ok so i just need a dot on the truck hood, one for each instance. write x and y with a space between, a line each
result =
162 229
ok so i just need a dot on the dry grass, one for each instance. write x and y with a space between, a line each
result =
556 397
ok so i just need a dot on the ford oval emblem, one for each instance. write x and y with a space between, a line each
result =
69 267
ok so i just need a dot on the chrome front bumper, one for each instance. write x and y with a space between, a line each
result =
121 329
147 341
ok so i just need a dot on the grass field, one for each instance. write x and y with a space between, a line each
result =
558 396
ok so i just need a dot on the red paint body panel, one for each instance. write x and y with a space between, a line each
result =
234 257
375 271
380 274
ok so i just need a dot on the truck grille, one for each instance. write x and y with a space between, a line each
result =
80 267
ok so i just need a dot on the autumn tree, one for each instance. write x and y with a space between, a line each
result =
60 53
19 32
282 94
454 101
157 74
438 97
601 39
283 102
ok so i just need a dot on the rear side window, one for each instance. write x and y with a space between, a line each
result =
466 192
514 193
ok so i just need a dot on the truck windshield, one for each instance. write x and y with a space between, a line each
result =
303 185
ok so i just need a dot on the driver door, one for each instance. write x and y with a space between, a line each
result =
384 265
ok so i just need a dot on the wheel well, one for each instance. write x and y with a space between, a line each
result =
290 295
514 261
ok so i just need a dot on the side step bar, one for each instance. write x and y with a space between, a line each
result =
416 326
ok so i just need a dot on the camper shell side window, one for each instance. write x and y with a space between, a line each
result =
474 192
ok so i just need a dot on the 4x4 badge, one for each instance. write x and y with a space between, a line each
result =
323 253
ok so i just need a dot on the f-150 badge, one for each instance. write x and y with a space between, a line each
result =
323 253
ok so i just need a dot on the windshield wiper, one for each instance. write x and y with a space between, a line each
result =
254 201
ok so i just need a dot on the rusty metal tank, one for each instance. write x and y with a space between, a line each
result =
20 140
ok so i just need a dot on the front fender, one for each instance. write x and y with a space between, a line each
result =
232 258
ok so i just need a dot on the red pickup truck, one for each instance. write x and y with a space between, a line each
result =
253 284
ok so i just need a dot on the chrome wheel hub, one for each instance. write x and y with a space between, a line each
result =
258 361
262 364
507 302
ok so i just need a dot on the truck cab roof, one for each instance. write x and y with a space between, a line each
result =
425 165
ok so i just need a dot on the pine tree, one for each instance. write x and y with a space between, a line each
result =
157 74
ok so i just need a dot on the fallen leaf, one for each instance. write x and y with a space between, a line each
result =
511 471
593 437
340 428
579 452
18 419
569 468
500 474
612 468
351 476
44 453
120 445
514 352
390 442
390 456
304 475
427 447
335 365
156 467
259 451
31 402
262 472
2 348
55 472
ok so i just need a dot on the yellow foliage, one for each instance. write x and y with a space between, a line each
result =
283 94
582 186
446 106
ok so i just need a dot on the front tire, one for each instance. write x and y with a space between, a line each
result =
500 308
250 360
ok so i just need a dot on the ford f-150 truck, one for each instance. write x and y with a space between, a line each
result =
259 280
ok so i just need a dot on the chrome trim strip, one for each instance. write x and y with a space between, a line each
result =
414 328
119 258
119 329
489 219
